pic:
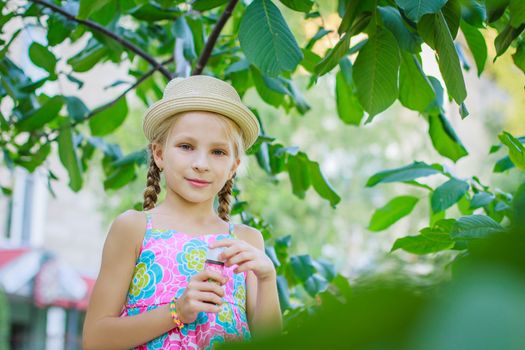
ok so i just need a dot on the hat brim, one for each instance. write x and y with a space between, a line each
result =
168 107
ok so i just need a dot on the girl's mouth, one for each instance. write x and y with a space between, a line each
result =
197 183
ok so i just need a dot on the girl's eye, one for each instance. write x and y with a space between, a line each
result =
185 146
219 152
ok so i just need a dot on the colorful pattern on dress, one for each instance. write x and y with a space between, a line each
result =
167 261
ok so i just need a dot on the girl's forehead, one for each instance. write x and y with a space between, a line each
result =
200 125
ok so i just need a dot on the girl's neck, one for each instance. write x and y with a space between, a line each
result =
198 212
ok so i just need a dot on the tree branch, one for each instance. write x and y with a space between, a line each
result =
97 27
111 103
137 83
212 39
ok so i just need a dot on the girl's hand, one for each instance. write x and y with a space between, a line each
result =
200 295
246 256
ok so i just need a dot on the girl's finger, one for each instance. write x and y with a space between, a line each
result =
240 258
206 307
222 243
231 251
207 274
208 297
250 265
208 287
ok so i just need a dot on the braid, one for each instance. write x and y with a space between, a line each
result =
153 187
224 200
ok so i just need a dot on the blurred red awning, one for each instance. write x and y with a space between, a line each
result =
53 282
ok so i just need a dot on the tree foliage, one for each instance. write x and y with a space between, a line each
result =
250 45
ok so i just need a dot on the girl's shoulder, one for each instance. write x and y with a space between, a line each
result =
249 235
129 228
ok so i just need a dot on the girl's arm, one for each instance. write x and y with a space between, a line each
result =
103 328
263 309
265 315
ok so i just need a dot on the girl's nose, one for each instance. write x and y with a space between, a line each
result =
200 163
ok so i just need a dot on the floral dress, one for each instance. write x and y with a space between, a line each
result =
167 261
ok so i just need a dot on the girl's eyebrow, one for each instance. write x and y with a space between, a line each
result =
189 138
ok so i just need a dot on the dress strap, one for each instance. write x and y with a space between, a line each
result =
231 229
149 223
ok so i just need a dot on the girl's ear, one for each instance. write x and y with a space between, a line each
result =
234 167
156 151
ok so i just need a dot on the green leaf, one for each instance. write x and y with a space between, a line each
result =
197 32
476 44
495 9
41 116
321 32
68 156
517 12
444 138
474 227
503 164
341 48
266 39
295 94
474 12
353 10
321 184
448 194
183 32
394 210
283 292
315 284
76 109
302 266
205 5
299 5
120 177
437 105
325 268
424 244
415 9
109 119
448 60
153 13
88 57
348 107
58 29
334 56
310 60
271 91
375 72
139 157
506 37
452 13
42 57
87 7
36 159
72 79
407 40
516 149
519 56
299 174
415 89
405 173
481 199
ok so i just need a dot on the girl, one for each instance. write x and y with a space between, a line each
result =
153 290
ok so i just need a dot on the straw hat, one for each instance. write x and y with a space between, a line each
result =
201 93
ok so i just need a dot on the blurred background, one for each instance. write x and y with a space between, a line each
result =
52 237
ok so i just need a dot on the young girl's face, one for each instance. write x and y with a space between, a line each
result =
197 148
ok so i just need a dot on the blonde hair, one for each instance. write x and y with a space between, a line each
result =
152 190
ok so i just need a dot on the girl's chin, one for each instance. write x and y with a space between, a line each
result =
194 198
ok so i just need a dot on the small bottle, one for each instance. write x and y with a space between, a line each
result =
213 263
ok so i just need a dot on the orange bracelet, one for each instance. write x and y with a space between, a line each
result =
174 315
